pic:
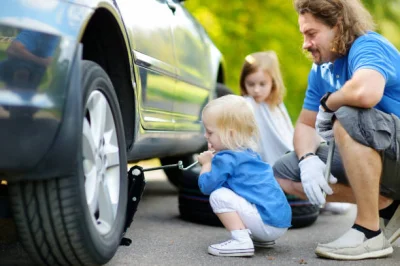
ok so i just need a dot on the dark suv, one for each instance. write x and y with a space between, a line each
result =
85 87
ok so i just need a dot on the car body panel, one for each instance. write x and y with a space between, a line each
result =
173 85
192 53
172 82
149 31
33 85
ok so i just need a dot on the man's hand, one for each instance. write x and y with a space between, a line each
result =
324 124
312 171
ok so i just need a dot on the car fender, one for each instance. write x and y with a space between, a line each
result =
56 137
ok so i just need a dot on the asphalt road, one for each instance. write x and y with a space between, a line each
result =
160 237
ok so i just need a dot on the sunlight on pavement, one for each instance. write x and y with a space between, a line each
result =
155 175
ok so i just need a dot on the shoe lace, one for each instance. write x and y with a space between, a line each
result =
226 242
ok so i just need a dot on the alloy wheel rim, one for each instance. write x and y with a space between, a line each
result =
101 162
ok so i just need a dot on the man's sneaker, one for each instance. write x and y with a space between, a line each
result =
391 228
336 207
353 245
232 248
263 244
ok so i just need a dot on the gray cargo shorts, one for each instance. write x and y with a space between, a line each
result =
370 127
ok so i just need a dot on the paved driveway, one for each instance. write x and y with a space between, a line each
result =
160 237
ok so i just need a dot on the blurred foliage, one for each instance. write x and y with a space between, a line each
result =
241 27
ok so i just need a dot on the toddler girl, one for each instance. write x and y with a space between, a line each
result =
243 191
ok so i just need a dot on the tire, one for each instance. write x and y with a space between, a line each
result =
194 206
4 204
197 209
222 90
303 212
64 221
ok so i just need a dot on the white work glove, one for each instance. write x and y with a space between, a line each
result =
324 124
312 176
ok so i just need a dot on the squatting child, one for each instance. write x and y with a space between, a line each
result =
243 191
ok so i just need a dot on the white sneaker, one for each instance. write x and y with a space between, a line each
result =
336 207
353 245
391 228
233 248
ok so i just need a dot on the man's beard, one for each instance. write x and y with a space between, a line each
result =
317 60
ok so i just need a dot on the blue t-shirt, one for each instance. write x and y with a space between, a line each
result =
248 176
369 51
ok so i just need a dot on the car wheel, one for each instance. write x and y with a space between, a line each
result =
303 212
194 206
79 219
222 90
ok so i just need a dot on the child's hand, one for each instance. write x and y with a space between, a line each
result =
205 157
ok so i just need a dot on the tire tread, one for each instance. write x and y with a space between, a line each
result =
46 233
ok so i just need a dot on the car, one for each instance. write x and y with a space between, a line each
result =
87 86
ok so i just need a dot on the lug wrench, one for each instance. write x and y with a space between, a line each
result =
179 165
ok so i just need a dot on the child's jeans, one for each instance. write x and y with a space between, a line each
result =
225 200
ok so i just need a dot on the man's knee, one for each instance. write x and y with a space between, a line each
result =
345 111
278 167
369 127
287 166
346 118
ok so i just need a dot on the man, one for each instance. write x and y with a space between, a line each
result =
353 97
28 56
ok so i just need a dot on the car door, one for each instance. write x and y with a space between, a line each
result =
148 23
193 68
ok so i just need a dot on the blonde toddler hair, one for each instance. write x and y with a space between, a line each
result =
268 62
235 121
